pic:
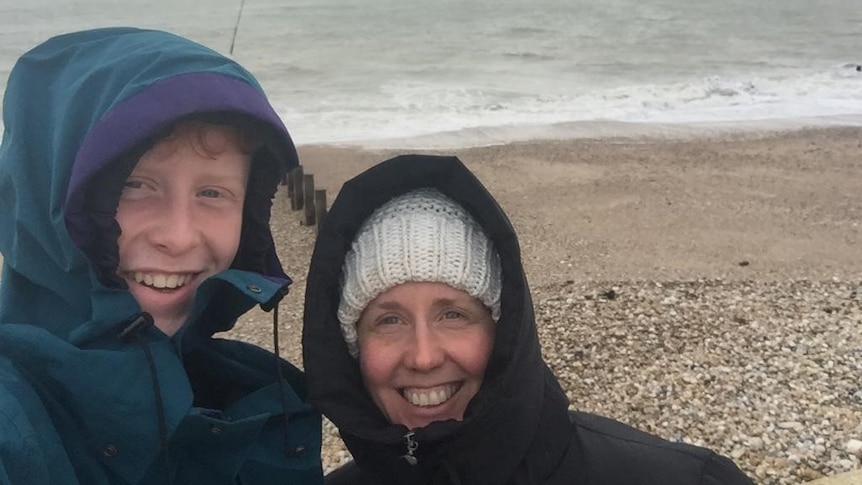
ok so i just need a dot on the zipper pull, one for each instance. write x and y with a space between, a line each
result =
411 448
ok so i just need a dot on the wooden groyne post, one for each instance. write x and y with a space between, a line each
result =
308 196
320 207
295 181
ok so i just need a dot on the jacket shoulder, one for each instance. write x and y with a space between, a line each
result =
615 453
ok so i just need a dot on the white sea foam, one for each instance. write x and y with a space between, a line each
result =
420 115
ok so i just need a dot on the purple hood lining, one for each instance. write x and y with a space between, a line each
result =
147 113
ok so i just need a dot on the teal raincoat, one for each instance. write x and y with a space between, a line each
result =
90 391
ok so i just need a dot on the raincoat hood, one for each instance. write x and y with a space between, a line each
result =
89 393
72 106
518 401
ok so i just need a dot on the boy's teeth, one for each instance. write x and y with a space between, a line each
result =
429 398
160 280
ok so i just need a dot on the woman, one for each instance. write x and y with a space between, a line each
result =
420 345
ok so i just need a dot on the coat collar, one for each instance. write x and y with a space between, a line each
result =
107 384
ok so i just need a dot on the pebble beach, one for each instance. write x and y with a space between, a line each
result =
707 290
702 286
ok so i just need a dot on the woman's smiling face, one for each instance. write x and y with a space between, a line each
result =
423 349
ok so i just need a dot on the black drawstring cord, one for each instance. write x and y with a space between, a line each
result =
134 330
279 376
160 410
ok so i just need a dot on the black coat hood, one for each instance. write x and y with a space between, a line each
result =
519 399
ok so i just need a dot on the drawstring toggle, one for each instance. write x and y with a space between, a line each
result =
138 324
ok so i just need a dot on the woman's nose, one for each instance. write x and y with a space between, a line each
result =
427 348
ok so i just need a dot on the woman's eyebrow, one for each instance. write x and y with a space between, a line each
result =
388 305
395 305
444 301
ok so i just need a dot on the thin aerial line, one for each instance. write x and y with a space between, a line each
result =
236 26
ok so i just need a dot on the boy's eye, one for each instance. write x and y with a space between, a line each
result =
136 188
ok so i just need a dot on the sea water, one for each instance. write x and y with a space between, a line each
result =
417 73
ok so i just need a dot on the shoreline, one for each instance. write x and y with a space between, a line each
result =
601 131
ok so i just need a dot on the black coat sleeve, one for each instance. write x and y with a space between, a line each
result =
720 470
347 474
610 452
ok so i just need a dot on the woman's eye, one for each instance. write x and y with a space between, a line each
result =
212 193
390 320
452 314
133 184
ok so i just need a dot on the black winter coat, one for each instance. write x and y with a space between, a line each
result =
517 429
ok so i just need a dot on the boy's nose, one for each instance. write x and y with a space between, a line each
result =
177 230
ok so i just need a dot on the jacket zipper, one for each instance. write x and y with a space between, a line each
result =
412 445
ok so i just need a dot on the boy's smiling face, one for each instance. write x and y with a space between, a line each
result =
180 214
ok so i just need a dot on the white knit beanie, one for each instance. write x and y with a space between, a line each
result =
419 236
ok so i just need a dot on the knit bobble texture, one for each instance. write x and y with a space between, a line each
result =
421 236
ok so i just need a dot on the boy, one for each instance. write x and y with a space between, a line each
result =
137 170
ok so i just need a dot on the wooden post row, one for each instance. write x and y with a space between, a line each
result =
303 195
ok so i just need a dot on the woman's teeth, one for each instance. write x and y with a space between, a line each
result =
161 280
433 397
